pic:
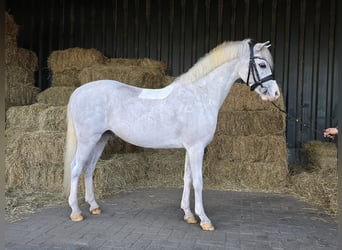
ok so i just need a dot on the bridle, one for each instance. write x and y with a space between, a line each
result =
253 69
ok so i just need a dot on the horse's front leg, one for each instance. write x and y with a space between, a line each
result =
185 204
196 161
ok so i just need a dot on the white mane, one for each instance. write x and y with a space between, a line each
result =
216 57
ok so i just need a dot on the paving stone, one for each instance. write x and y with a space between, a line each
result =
151 219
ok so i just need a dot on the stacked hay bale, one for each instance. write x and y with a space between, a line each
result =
249 149
66 65
316 181
56 96
35 137
35 140
164 168
20 65
11 32
118 172
144 73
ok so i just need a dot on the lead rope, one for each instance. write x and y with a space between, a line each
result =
288 117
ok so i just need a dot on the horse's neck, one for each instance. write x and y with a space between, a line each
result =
215 86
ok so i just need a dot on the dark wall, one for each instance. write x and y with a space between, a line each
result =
179 32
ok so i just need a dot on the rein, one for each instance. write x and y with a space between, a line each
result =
289 117
253 69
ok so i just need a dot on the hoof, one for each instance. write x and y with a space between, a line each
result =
207 227
95 211
191 220
76 217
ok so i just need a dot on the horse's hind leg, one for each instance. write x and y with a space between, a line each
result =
81 158
89 170
76 170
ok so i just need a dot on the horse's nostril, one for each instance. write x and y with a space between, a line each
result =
276 93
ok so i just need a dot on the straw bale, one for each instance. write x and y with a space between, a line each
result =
16 76
145 77
260 122
17 96
240 98
66 78
144 62
74 59
19 86
15 174
244 149
10 45
36 117
20 65
118 173
55 96
318 187
43 178
39 148
317 180
11 28
53 118
21 57
165 167
113 62
256 176
27 164
24 117
115 145
20 95
319 154
11 136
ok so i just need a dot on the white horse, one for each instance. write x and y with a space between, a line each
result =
181 115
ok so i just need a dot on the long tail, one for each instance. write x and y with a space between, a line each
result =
70 150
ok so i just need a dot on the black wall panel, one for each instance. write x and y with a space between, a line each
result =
179 32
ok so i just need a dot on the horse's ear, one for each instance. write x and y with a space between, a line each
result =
267 44
260 46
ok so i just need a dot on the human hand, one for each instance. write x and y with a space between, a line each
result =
330 132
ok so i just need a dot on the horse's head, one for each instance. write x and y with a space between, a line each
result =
257 71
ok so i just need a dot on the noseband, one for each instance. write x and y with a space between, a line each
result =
253 69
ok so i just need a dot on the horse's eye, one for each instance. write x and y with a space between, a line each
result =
262 65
